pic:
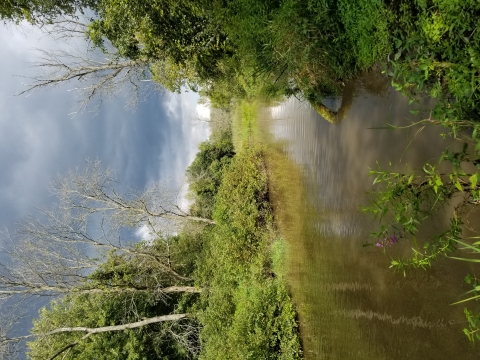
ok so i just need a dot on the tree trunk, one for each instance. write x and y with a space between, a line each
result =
103 329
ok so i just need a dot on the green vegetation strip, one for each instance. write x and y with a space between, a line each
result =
244 124
248 313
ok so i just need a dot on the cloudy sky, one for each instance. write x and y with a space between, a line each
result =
39 138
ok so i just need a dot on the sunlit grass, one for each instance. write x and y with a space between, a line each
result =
244 126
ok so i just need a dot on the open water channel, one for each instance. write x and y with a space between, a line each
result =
351 305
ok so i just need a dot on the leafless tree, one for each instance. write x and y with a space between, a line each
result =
56 253
66 28
96 190
96 76
187 335
59 257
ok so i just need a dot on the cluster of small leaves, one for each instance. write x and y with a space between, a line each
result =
437 54
440 245
408 199
473 325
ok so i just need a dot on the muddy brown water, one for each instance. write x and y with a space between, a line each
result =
351 305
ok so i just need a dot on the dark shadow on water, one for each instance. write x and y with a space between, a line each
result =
335 109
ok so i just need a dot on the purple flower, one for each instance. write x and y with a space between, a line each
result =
387 241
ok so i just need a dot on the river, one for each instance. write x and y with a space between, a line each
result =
351 305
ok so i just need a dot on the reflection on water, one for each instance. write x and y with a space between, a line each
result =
335 109
351 306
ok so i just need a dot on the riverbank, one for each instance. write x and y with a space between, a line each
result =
247 312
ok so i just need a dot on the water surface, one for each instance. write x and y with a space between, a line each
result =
351 306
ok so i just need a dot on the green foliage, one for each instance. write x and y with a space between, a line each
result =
42 11
187 246
366 26
261 327
238 48
246 312
205 173
301 47
437 52
104 310
179 39
408 199
249 195
125 288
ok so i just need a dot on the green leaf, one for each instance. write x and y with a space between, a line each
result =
471 247
473 180
463 259
410 179
458 186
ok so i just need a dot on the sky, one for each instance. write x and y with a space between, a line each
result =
40 138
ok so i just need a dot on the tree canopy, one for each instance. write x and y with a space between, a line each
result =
42 11
206 171
180 33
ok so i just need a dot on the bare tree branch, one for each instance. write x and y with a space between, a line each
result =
97 77
95 190
65 28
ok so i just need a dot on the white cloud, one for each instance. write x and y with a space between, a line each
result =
203 111
144 233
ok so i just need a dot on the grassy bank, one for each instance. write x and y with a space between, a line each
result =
246 311
244 125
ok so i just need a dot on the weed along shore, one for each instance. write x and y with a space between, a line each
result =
247 313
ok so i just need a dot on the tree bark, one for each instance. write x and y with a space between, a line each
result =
90 331
53 290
